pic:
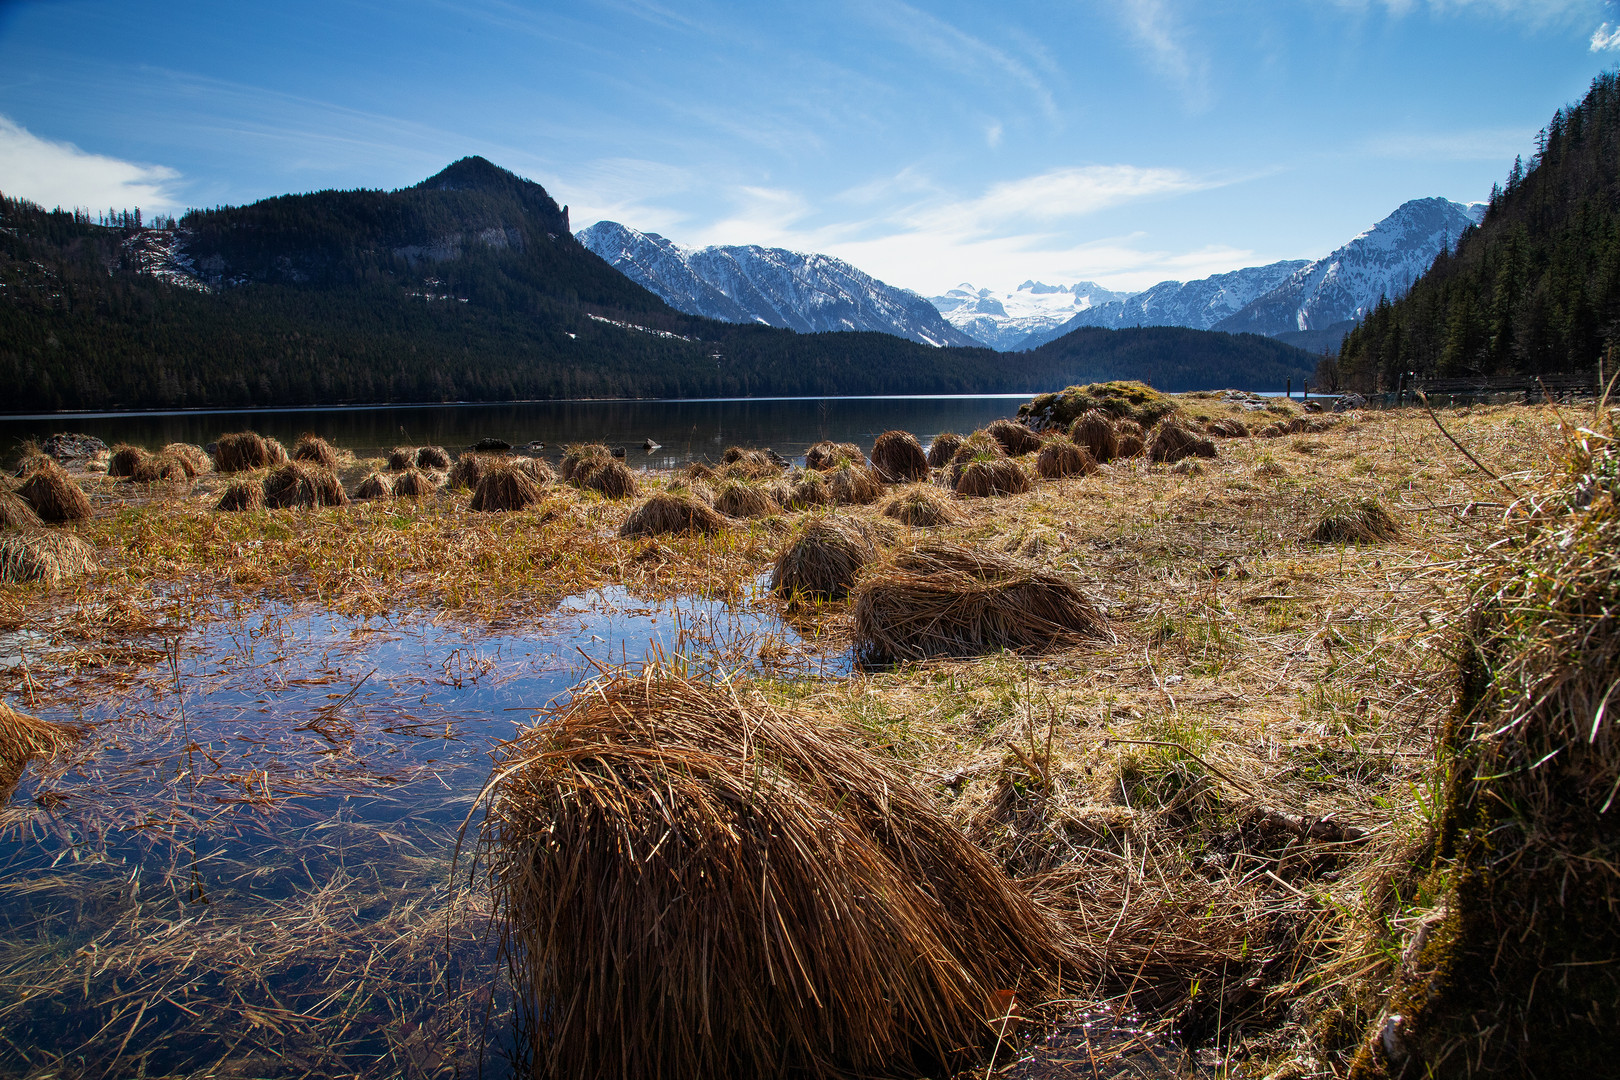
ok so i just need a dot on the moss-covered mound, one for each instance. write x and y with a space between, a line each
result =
1121 400
1518 970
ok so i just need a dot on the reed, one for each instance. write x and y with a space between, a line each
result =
53 494
316 450
1061 457
920 506
943 448
823 561
302 484
504 488
23 736
1015 438
939 598
44 555
672 513
694 883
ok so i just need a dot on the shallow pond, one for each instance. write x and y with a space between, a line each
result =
245 869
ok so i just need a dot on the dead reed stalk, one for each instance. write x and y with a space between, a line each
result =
943 448
300 483
920 506
44 555
691 883
1015 438
823 561
898 458
1060 456
672 513
15 511
53 494
23 736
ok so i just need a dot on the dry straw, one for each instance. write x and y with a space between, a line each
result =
1227 428
506 487
1094 430
669 512
241 495
828 455
470 468
746 464
312 448
577 454
375 486
1129 446
45 556
740 499
1060 456
401 458
53 494
193 457
160 469
23 736
695 884
948 599
898 458
1171 442
121 465
806 489
1126 426
612 478
920 506
537 468
1360 521
15 511
432 458
823 561
413 483
849 483
277 452
1015 438
943 448
242 451
300 483
984 478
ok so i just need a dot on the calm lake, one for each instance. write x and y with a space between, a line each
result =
685 430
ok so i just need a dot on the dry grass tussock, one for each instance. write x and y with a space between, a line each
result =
612 479
829 455
245 451
302 484
23 736
949 599
414 483
1228 427
402 457
375 486
16 512
160 469
852 484
506 487
985 478
241 495
121 465
1015 438
672 513
1094 432
1060 457
898 458
943 448
193 458
45 556
1171 442
921 506
670 858
741 499
54 495
577 454
823 561
316 450
432 458
804 489
470 468
1356 521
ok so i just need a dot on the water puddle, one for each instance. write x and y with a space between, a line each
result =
245 868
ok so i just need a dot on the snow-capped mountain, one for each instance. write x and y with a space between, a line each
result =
1198 304
743 284
1001 320
1345 285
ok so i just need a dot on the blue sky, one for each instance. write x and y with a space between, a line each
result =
1122 141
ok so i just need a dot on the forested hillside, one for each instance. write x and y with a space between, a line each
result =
1174 358
466 287
1535 288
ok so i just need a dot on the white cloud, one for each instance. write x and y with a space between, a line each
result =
1606 40
1057 195
992 135
1157 30
60 174
958 51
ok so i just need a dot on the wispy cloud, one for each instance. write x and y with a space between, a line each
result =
60 174
1058 195
1534 11
958 50
1157 30
1606 40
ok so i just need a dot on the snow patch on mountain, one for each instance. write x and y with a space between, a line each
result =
747 284
1002 319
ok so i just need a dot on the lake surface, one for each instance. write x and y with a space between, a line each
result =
686 430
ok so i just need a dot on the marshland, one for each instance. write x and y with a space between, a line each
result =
1095 743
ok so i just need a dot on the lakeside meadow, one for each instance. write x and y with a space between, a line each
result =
1115 737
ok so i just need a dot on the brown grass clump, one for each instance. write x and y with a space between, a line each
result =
470 468
300 483
748 464
612 478
401 458
806 488
740 499
849 483
1060 457
23 736
413 484
1227 428
947 599
312 448
505 487
15 511
695 489
1361 521
242 451
576 455
160 469
1015 438
898 458
1130 446
193 458
277 452
1274 430
943 448
1094 431
44 555
827 455
982 479
668 512
537 468
823 560
123 461
1126 426
432 458
920 506
241 495
699 470
53 494
695 884
1171 442
375 486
